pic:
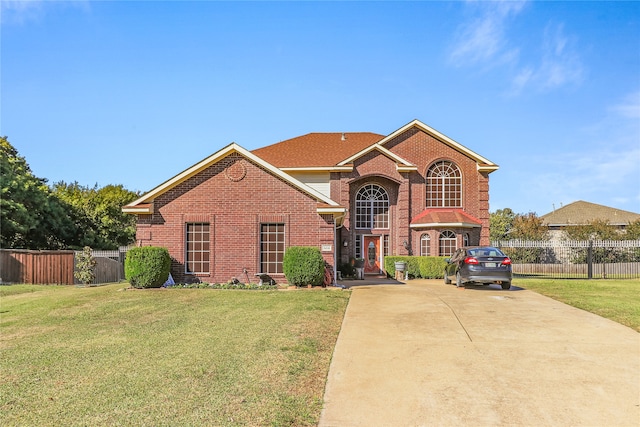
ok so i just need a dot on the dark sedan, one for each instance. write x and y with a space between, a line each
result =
480 265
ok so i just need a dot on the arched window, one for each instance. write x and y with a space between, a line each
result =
444 185
425 245
465 239
447 243
372 207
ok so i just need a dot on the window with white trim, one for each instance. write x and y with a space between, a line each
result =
197 248
425 245
372 207
444 185
447 243
271 248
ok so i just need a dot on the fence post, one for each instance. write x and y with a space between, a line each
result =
590 260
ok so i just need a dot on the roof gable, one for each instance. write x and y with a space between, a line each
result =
581 212
483 164
401 164
144 203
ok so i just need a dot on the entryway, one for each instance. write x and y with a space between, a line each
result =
372 254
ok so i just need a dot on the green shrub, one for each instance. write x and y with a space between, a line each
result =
347 270
147 266
303 265
425 267
432 267
86 265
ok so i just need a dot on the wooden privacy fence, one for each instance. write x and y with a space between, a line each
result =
588 259
109 265
36 267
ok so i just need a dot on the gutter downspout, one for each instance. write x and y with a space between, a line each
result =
335 246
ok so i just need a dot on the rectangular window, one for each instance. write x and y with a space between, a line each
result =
358 247
197 244
271 248
385 244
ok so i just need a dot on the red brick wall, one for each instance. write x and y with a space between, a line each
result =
423 150
234 202
407 192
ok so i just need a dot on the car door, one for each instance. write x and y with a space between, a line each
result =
452 265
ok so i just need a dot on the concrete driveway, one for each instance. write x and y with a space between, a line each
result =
429 354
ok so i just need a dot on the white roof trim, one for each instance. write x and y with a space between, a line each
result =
482 161
402 168
134 210
229 149
376 146
340 210
347 168
446 224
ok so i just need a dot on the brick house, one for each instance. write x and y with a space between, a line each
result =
359 195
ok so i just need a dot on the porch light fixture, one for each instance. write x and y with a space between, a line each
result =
345 243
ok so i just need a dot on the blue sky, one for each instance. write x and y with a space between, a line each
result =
132 93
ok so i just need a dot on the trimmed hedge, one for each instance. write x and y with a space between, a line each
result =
303 265
425 267
147 266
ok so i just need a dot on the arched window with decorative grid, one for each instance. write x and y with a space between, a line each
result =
447 243
444 185
372 207
425 245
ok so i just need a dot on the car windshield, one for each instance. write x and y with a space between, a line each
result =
486 252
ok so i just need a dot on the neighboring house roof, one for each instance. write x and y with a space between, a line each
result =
336 151
580 213
144 205
316 150
440 217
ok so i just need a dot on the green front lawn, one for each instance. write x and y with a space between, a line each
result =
109 356
618 300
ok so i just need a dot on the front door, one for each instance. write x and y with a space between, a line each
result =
372 255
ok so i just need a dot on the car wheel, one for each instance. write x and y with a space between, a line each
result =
447 281
506 285
459 280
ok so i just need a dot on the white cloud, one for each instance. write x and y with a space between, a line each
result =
629 107
487 41
559 64
22 11
606 170
482 40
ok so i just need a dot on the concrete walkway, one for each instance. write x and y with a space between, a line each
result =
428 354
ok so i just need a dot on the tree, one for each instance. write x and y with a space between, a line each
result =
86 265
501 222
30 217
633 230
97 213
528 227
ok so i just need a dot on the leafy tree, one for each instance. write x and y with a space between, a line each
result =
633 230
594 230
97 213
30 216
528 227
501 222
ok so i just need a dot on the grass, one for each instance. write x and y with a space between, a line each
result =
618 300
109 356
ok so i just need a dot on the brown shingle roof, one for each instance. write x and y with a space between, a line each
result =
445 216
316 149
580 213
